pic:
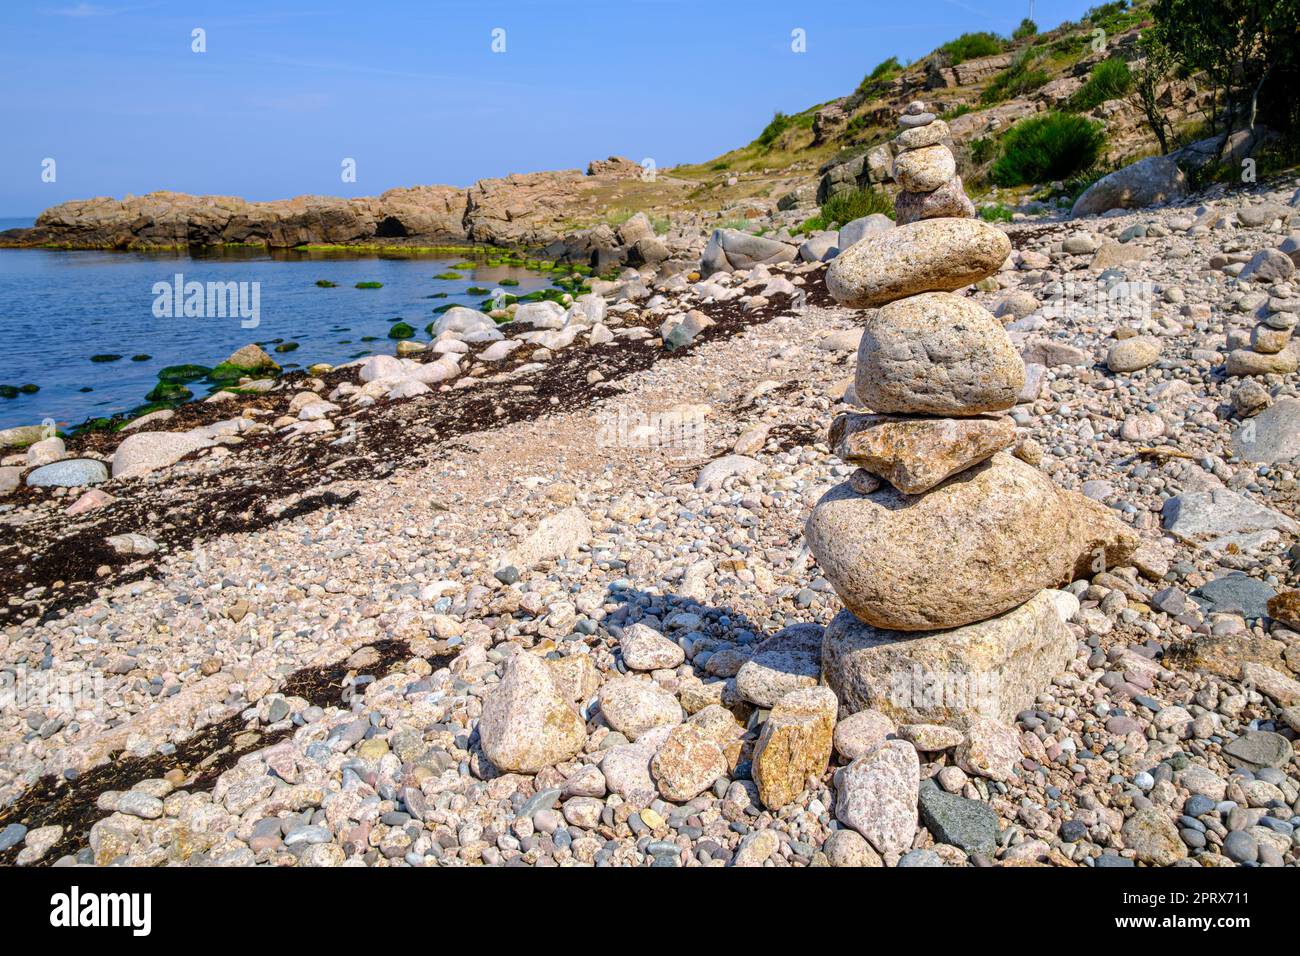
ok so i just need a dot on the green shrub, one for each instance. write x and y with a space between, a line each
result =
1027 28
1019 78
1047 147
982 150
1110 80
1114 17
970 46
849 206
780 123
884 71
995 213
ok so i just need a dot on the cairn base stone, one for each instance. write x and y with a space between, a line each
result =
976 546
994 668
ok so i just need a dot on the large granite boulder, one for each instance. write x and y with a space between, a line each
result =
1149 181
731 249
526 723
976 546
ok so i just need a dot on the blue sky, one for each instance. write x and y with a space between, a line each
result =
112 91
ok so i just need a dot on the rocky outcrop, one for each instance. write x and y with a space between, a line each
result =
529 210
169 219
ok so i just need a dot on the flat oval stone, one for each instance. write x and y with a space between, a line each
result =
920 136
937 354
933 255
72 473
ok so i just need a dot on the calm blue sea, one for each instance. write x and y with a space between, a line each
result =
58 308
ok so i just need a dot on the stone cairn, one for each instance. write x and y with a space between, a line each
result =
944 548
1267 352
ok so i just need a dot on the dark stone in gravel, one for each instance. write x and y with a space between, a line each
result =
1112 860
1240 847
1234 593
1073 831
1257 749
11 836
1198 804
968 824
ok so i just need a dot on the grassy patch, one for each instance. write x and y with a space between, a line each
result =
995 212
971 46
1110 80
1048 147
846 207
1021 77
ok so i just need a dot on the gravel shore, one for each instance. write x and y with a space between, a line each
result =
637 525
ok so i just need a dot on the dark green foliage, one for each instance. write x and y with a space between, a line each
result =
772 131
1119 16
401 330
849 206
1110 80
326 284
982 150
1027 28
971 46
108 357
1019 78
1048 147
1248 49
370 285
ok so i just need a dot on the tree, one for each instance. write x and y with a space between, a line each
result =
1244 47
1027 28
1148 80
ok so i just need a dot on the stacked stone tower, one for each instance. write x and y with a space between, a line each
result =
943 568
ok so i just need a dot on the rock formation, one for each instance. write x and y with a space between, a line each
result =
943 570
